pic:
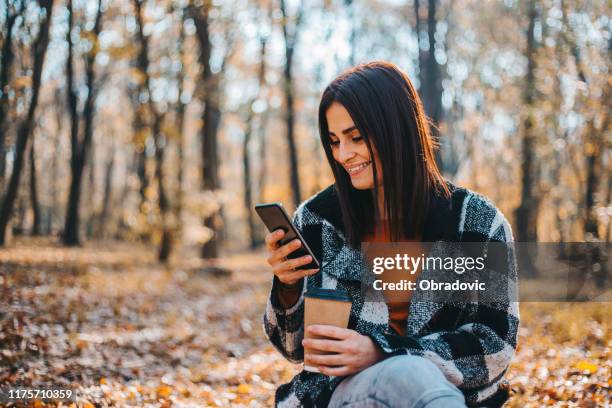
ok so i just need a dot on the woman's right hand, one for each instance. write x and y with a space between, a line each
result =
284 268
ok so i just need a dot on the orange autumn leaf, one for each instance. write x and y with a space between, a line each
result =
243 389
586 366
164 391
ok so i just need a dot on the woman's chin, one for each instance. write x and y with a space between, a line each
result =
362 184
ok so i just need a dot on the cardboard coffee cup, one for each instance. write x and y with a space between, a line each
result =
324 306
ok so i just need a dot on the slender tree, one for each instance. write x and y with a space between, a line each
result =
350 6
246 159
141 137
7 57
211 118
108 193
54 174
608 230
263 126
72 103
290 34
179 111
557 164
263 150
36 228
159 137
430 73
27 125
526 213
80 145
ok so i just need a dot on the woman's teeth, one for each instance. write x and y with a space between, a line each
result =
357 169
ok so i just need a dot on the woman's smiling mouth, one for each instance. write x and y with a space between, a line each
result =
357 169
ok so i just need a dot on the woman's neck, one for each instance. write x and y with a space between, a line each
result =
381 226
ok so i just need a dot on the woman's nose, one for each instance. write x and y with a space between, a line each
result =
346 152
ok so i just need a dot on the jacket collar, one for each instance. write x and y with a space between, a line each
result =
442 222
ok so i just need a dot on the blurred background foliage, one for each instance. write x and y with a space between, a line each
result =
165 121
145 131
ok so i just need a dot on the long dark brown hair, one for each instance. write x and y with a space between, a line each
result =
389 115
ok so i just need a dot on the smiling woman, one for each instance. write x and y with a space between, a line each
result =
349 148
371 123
404 351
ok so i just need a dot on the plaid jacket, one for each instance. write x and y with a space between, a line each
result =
471 343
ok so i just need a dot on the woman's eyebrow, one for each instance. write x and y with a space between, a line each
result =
345 131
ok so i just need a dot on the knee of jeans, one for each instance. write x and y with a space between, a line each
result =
415 375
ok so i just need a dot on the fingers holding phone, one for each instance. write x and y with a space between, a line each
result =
290 257
287 269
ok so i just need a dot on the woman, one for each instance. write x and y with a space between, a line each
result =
387 188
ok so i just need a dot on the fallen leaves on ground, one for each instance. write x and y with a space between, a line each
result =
564 356
110 322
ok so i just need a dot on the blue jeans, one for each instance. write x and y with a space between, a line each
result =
400 381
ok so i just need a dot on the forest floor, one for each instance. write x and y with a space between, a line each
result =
108 321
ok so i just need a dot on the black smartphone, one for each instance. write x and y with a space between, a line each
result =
275 217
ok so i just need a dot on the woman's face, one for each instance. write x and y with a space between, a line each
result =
350 149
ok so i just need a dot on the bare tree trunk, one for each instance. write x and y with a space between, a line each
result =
593 180
6 62
89 108
211 117
108 194
290 43
131 167
141 154
594 166
246 165
263 127
557 163
180 126
263 153
90 191
527 212
317 150
141 171
55 161
430 76
36 228
26 127
246 162
165 247
74 127
19 226
159 138
569 38
350 4
596 143
608 231
80 150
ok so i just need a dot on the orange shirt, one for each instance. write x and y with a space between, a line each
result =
398 302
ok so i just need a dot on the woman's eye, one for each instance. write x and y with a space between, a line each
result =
357 139
334 142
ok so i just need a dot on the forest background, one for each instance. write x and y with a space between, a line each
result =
136 136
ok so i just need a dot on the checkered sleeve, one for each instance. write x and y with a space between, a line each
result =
285 327
477 353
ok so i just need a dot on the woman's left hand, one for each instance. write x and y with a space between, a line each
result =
354 351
